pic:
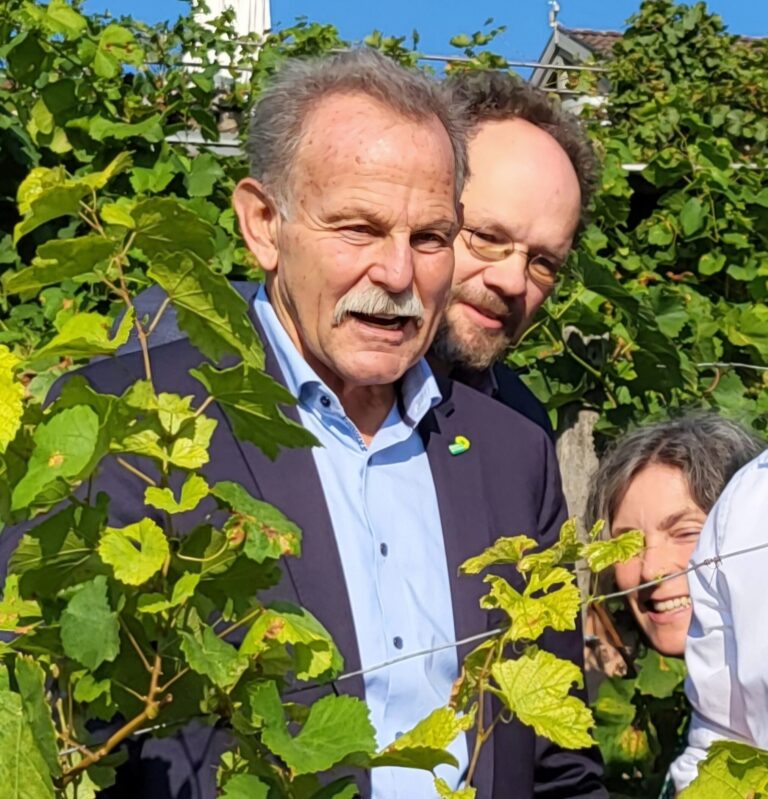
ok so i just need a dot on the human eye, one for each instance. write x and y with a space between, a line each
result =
430 240
357 232
487 236
544 270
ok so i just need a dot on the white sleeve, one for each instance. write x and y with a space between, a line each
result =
725 650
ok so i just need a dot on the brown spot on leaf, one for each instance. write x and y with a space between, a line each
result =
55 460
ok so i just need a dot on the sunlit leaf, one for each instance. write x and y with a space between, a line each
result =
535 687
262 529
315 654
193 491
24 773
504 550
11 398
602 554
136 552
64 447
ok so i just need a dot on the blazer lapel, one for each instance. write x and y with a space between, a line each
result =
466 532
291 483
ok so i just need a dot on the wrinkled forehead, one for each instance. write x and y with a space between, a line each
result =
355 134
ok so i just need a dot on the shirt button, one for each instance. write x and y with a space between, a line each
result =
398 642
325 401
384 549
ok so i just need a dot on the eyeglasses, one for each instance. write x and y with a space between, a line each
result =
490 247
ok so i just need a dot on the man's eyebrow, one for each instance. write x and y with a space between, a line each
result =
352 212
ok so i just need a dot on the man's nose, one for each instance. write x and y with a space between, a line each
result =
393 270
508 278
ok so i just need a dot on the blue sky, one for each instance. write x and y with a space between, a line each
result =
437 20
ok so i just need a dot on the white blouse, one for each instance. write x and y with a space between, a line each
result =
727 647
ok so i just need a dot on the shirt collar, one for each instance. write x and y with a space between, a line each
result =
419 391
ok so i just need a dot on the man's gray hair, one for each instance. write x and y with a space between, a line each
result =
280 112
707 449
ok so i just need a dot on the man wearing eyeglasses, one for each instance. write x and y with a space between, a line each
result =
532 175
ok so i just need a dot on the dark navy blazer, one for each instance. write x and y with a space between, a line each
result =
506 483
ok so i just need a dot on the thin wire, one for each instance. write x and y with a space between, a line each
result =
714 561
421 653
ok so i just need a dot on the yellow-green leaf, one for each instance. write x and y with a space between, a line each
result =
536 689
136 552
11 398
444 791
504 550
602 554
425 745
194 490
86 335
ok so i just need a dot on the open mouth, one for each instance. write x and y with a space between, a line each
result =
668 605
386 321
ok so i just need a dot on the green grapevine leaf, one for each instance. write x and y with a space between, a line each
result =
59 260
53 556
537 607
183 589
30 678
315 654
136 552
693 216
536 689
90 632
86 335
425 745
566 551
11 398
24 773
62 18
208 655
614 702
193 492
15 612
265 531
245 786
165 228
444 791
504 550
602 554
659 675
336 728
250 400
208 309
65 446
46 194
731 770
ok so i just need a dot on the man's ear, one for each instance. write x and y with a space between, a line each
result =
258 218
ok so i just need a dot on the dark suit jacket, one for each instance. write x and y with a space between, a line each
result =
507 483
504 384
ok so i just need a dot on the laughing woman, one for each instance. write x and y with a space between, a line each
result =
664 479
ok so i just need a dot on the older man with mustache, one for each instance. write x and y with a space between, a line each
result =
352 208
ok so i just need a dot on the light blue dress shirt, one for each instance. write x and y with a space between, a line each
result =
383 506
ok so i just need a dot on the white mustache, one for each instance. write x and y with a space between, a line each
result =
375 300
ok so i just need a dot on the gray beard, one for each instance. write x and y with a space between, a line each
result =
477 355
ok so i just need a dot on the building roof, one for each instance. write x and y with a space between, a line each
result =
601 42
